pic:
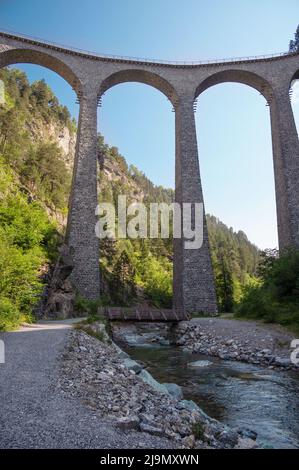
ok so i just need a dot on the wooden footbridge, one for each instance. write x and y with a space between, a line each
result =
143 314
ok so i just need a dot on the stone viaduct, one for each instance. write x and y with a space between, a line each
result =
90 75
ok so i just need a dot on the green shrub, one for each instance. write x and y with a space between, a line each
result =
27 242
155 276
10 315
198 430
19 270
89 308
25 225
276 297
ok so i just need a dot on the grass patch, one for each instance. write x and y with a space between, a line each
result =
87 328
198 430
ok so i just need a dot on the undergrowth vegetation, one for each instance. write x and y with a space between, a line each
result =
274 296
28 241
34 180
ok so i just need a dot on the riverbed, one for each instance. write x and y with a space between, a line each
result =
238 394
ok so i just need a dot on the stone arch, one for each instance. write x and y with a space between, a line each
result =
140 76
238 76
30 56
257 83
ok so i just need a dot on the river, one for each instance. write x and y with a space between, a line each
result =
238 394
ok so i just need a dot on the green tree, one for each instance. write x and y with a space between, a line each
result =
275 297
26 243
225 287
44 172
294 44
123 279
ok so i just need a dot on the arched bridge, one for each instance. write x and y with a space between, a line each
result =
90 75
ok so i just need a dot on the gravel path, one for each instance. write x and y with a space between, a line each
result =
35 414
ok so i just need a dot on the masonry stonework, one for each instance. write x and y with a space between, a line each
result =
90 75
191 265
80 237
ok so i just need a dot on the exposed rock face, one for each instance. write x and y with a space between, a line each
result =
41 131
66 140
61 294
95 372
113 172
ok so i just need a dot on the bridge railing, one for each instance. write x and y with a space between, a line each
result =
140 313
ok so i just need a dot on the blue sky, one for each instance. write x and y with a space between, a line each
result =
233 124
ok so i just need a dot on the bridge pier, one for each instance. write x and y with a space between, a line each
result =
193 285
286 168
80 238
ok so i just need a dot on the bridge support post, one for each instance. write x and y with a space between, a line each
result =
286 168
80 238
193 288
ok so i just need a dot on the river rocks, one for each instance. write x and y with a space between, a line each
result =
149 379
93 372
128 422
120 353
189 405
247 433
246 443
206 339
181 341
132 365
189 441
98 329
228 437
282 362
199 364
142 334
151 429
174 390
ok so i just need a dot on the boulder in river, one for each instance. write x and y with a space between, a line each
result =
132 365
200 364
149 379
174 390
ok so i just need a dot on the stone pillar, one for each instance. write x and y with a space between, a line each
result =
286 168
80 238
194 288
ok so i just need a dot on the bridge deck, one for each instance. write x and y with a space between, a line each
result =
143 314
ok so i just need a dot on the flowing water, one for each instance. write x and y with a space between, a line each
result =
238 394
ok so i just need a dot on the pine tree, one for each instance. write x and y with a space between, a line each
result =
225 286
294 44
123 278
